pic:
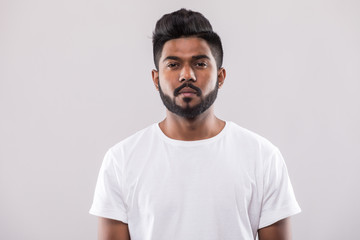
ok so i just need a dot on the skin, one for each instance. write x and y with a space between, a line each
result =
189 59
110 229
280 230
202 72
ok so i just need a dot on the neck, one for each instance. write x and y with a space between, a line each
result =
204 126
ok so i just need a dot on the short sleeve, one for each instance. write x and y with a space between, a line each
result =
279 200
109 198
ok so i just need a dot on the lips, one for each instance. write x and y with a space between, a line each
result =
188 90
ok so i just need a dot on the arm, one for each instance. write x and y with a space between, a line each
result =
110 229
278 231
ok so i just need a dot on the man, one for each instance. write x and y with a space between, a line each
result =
192 176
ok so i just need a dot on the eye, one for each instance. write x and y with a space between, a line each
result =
201 64
172 65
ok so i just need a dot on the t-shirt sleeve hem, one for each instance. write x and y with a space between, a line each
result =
111 214
272 216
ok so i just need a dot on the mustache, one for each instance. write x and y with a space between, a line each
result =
189 85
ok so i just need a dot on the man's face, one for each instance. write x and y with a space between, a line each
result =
188 78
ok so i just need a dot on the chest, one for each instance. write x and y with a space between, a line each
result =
190 184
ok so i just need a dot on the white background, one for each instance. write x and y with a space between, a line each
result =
75 78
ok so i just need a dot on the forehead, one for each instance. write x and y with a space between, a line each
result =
186 48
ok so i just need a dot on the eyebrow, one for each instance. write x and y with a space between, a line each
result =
171 58
200 57
197 57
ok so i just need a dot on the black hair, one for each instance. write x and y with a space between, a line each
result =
185 23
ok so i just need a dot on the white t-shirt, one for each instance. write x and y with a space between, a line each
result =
222 188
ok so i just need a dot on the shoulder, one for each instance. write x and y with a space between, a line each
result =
250 140
247 135
136 141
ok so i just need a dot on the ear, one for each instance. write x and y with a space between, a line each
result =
221 76
155 77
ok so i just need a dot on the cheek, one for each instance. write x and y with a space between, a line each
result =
209 85
166 83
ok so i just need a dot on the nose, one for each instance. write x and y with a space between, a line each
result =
187 74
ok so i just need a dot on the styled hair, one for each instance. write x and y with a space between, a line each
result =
185 23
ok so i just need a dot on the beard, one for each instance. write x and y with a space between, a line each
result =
189 112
